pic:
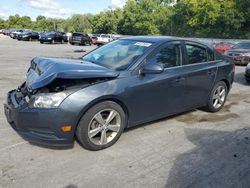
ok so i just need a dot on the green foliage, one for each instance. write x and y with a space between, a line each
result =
2 23
107 22
191 18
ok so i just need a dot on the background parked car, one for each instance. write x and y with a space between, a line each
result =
15 33
223 47
51 37
28 36
104 39
240 53
65 36
80 38
94 38
247 74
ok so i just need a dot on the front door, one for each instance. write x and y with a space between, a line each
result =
157 95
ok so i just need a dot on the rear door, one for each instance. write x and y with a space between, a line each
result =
200 68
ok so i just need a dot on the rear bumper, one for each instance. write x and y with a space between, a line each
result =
39 126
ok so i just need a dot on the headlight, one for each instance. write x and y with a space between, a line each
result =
25 36
47 100
49 38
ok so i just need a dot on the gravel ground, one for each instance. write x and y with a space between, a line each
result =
195 149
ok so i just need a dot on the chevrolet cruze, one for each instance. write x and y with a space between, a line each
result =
125 83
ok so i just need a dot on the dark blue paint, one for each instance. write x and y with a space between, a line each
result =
144 97
52 68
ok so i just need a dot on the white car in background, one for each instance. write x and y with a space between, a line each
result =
104 39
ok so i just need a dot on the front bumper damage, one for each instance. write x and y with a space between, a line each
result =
38 126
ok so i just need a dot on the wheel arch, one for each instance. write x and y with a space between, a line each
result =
227 83
99 100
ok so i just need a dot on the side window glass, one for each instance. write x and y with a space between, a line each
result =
210 56
168 56
196 54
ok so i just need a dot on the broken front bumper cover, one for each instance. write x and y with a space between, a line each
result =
38 126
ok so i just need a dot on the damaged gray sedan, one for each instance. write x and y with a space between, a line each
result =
122 84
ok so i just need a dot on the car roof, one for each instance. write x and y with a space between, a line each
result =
156 39
151 39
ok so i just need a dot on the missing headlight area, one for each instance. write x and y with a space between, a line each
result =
53 94
58 85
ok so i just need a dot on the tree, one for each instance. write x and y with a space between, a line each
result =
79 23
138 18
107 22
25 22
2 24
41 23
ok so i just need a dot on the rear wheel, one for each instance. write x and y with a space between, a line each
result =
101 126
217 97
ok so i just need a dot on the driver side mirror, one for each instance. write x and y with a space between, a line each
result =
151 69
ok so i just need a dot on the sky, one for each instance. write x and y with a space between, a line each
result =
55 8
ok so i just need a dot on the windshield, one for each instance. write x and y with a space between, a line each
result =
118 55
242 46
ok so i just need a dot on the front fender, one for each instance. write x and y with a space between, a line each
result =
79 102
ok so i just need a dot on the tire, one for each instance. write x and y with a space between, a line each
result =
215 95
41 42
88 122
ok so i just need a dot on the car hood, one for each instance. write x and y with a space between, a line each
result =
44 70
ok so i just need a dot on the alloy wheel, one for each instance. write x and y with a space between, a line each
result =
104 126
219 97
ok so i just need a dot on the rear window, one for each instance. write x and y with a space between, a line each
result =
198 54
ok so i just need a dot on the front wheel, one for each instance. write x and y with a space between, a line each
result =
101 126
217 97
